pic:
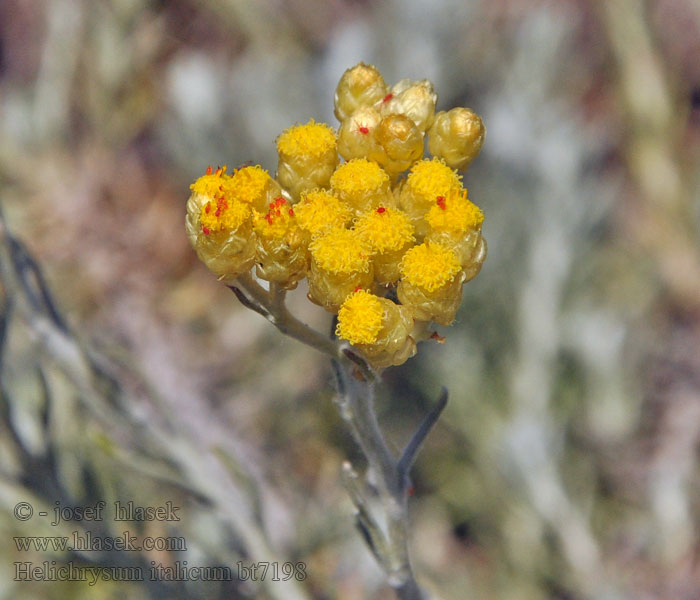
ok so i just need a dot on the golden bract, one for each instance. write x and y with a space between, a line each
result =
361 85
456 136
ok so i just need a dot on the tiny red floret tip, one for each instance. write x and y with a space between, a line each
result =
291 212
205 230
208 170
381 210
437 337
441 202
388 97
364 130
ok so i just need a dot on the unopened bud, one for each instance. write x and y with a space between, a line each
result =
399 143
361 85
356 133
414 99
456 136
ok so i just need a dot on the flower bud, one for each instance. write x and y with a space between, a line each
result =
414 99
428 180
356 133
362 184
379 328
389 233
398 144
282 254
457 137
219 226
431 283
340 263
361 85
307 157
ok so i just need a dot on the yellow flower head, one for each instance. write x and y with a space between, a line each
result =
222 211
319 210
223 214
312 139
212 183
429 266
360 318
430 178
455 213
280 218
359 176
249 184
385 229
341 251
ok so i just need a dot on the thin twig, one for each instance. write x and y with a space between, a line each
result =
410 452
271 306
38 294
243 299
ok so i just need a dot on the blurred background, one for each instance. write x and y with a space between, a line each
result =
566 464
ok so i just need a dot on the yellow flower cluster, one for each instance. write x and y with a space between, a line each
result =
385 239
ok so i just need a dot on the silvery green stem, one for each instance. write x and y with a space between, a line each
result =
386 533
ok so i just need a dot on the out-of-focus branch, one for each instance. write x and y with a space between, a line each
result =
664 219
666 229
184 462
